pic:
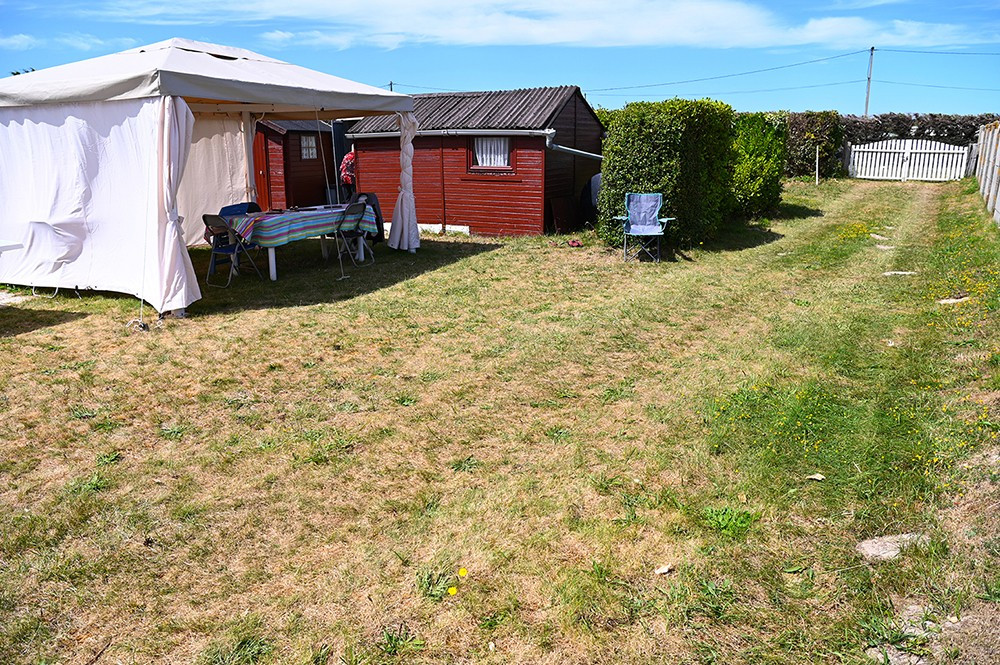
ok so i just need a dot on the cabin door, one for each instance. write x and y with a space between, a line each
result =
262 171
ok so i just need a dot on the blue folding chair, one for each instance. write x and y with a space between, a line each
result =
643 226
227 246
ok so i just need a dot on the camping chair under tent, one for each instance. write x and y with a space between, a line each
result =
643 225
348 230
226 246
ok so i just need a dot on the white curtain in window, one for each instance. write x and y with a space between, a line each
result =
493 151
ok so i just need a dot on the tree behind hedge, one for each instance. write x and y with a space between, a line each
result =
760 143
808 130
679 148
957 130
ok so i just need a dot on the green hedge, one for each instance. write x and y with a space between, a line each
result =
680 148
808 130
760 143
953 129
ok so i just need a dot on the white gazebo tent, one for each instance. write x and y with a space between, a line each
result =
107 164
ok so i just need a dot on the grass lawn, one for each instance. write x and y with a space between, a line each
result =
482 452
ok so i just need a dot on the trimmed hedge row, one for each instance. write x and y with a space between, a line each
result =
806 132
828 130
680 148
760 142
958 130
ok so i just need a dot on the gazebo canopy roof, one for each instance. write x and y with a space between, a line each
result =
209 77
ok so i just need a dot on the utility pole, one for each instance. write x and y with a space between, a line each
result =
866 106
868 90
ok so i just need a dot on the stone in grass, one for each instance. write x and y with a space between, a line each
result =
894 273
886 548
878 237
952 301
7 298
885 248
890 655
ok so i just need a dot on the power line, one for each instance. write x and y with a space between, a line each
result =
424 87
738 92
900 50
930 85
725 76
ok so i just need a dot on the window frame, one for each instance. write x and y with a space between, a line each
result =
504 170
314 148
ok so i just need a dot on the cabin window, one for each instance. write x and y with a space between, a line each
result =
491 153
308 147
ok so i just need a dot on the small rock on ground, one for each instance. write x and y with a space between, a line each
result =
885 548
893 273
878 237
885 248
952 301
890 655
7 298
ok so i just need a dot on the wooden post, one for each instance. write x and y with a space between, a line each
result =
817 165
868 88
907 152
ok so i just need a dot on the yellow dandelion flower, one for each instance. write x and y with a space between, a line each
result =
462 572
452 590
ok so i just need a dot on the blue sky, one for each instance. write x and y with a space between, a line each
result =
605 47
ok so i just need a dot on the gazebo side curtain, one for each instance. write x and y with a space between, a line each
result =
405 233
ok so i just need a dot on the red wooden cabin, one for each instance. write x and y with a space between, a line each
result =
510 162
288 157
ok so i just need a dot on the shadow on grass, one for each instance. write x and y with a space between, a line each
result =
743 237
304 278
796 211
16 320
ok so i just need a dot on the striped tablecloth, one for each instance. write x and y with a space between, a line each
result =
273 229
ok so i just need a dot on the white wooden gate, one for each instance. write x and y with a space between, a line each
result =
907 159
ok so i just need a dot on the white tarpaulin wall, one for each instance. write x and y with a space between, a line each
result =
90 190
217 171
98 175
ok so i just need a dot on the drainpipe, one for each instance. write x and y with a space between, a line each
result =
551 134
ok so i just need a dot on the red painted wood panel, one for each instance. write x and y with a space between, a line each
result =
444 189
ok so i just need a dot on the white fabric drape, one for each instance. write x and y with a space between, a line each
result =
217 171
405 233
177 284
249 130
86 188
492 151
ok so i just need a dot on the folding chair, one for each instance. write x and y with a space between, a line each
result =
348 230
227 246
643 226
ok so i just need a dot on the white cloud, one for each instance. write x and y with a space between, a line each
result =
86 42
391 23
18 42
863 4
78 41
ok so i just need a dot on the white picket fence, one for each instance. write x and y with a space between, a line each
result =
988 167
907 159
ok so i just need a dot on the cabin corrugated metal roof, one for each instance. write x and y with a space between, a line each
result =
282 126
528 108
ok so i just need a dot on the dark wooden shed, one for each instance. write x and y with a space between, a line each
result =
289 157
510 162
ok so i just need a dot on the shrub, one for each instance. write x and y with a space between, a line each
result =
808 130
760 144
953 129
679 148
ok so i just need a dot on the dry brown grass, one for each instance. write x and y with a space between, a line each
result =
297 453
